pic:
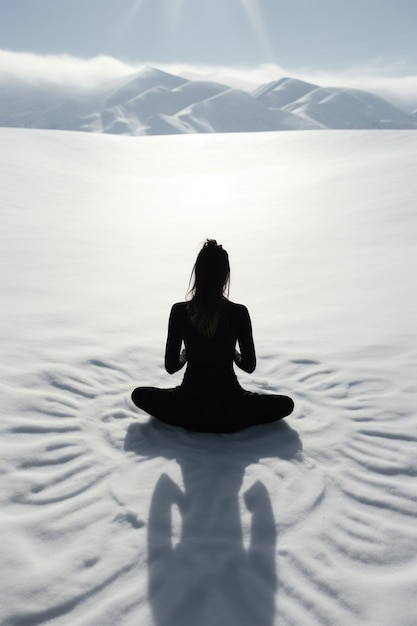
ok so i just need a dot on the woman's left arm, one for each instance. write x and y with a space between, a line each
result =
175 359
246 359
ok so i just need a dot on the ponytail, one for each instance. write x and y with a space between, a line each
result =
210 288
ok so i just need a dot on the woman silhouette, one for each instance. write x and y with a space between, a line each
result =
210 398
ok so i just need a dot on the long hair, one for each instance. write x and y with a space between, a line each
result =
210 288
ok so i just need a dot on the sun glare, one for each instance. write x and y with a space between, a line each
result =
131 13
172 11
254 16
134 9
176 7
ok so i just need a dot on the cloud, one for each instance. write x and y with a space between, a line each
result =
61 70
396 82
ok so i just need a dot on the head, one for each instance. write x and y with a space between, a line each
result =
211 271
210 287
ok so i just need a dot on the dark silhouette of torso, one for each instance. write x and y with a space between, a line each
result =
209 372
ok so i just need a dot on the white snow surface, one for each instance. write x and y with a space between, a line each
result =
109 517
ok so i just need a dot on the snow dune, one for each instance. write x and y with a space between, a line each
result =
108 517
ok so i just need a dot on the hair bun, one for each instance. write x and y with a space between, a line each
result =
211 243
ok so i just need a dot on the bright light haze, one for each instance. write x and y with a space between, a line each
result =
319 34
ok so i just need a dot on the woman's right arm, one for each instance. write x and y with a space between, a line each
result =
246 358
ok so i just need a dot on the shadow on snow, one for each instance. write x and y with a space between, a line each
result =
208 576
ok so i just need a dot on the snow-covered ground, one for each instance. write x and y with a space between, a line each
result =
109 518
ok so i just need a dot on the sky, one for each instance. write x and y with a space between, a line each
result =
358 40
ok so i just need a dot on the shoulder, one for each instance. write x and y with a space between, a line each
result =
238 311
179 309
237 308
177 317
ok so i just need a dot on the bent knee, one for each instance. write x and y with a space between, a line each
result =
288 405
137 396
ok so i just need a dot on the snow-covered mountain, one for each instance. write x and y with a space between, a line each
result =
282 92
334 107
153 102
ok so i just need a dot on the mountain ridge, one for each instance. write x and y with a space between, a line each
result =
153 101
